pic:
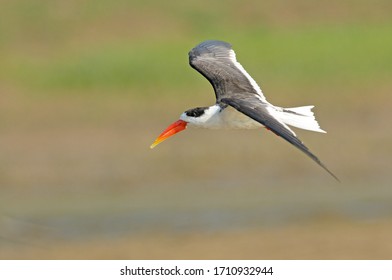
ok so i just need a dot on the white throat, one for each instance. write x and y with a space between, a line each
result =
215 117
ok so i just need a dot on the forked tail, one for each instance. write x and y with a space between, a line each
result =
301 117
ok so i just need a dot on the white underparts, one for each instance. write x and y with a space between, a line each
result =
217 118
229 118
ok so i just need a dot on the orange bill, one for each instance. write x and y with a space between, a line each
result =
170 131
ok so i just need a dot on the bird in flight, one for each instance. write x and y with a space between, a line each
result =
240 103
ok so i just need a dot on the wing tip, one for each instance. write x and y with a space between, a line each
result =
208 47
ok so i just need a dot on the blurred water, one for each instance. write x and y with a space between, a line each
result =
191 208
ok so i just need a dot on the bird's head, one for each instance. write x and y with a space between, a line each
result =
197 117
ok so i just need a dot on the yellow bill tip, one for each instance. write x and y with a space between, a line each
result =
170 131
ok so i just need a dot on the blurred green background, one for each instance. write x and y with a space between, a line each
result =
86 86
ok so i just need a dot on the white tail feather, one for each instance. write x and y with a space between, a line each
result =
301 117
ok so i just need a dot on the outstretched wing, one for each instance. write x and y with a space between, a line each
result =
258 111
217 62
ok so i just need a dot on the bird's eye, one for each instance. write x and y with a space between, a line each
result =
195 112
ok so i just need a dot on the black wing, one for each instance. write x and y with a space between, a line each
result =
216 61
253 108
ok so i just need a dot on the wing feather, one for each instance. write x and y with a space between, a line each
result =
217 62
254 109
233 86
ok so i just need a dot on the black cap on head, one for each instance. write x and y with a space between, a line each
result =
195 112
